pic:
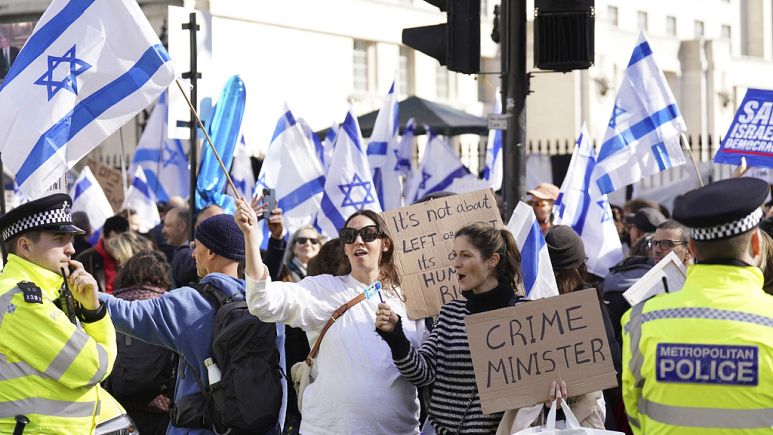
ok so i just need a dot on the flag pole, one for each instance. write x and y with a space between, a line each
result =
692 158
209 141
123 164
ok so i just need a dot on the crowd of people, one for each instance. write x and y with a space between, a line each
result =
142 316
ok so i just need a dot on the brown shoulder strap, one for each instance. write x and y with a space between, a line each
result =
336 314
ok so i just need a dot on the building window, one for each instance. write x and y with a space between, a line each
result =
360 66
727 32
699 29
406 71
612 15
641 17
671 26
442 79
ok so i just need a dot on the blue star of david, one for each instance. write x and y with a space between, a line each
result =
616 112
170 156
603 204
69 82
241 185
347 191
397 159
424 177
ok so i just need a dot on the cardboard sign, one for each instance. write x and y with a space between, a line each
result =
110 180
665 277
518 351
751 133
424 237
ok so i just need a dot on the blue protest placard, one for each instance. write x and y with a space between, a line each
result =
751 133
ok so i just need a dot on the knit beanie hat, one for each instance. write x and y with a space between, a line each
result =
565 248
222 235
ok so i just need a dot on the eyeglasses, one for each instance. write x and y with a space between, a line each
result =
666 244
368 234
304 240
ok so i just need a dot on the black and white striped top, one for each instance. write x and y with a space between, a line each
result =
443 362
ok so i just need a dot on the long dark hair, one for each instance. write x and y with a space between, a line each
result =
569 280
387 270
489 241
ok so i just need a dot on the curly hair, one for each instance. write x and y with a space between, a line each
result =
489 241
144 269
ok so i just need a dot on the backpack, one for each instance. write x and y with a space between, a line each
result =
141 372
248 397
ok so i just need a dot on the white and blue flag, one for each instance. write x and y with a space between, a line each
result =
163 159
326 145
19 197
536 269
241 172
140 198
583 207
382 152
643 134
406 149
291 168
348 184
87 196
493 169
88 68
440 167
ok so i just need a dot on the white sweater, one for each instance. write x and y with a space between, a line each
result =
357 389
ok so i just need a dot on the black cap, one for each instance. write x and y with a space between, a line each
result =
723 209
646 219
50 213
565 248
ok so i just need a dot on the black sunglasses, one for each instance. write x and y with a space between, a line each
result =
368 234
304 240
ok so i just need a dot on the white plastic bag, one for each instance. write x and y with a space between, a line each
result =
571 426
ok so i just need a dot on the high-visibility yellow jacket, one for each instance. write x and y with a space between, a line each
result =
700 360
50 369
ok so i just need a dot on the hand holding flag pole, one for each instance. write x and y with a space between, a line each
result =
209 140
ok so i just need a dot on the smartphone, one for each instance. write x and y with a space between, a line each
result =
269 197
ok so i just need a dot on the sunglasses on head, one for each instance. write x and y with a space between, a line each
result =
304 240
368 234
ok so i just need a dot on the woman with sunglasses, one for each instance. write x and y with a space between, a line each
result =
487 266
356 388
304 245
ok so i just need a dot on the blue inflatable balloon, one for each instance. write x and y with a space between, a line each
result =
223 128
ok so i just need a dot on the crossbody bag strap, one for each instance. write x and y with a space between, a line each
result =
336 314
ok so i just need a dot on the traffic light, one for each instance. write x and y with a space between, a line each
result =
563 34
456 43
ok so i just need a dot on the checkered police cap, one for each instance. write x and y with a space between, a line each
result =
723 209
50 213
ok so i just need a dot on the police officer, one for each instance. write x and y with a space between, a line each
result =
700 360
55 345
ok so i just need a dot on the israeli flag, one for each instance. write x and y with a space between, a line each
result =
406 148
291 168
536 269
440 167
642 137
87 196
241 172
163 160
384 140
583 207
348 185
493 170
140 198
88 68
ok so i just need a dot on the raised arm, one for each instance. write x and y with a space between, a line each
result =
248 222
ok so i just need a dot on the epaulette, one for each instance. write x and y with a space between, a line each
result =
32 293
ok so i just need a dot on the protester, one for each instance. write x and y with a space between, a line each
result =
354 390
542 199
81 241
182 320
183 266
567 255
143 374
157 233
486 262
643 222
98 260
125 245
304 246
53 355
329 260
8 54
698 360
134 218
671 236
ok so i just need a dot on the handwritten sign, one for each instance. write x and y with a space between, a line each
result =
667 276
518 351
424 237
751 133
110 180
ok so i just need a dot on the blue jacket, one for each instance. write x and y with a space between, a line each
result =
183 321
